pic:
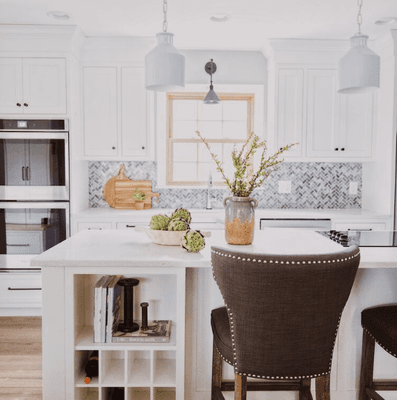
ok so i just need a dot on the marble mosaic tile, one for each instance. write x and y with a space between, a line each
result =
313 186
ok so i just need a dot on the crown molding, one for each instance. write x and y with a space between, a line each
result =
41 38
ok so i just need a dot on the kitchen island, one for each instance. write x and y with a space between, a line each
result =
178 286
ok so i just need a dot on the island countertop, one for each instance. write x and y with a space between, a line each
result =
115 248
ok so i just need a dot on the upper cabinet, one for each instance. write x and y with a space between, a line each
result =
116 113
327 125
32 86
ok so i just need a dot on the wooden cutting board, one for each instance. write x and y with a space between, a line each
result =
118 191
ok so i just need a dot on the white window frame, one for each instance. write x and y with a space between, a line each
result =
162 124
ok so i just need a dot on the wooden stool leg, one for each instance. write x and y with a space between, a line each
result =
216 373
322 388
240 387
304 392
367 364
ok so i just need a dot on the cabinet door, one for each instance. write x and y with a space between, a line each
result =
100 111
322 113
11 85
44 86
290 110
133 112
356 125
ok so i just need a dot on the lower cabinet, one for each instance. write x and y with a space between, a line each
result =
20 293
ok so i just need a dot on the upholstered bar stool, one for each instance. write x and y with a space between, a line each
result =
280 319
379 326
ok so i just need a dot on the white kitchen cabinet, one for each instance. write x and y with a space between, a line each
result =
116 113
32 86
133 112
20 293
327 125
100 112
289 124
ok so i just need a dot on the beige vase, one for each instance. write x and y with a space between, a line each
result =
239 220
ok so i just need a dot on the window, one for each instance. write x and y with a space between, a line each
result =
222 125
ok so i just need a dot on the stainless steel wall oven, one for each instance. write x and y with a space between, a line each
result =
34 206
34 160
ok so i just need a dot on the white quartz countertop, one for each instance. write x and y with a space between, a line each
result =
119 248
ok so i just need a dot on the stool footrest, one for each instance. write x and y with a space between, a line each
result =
259 386
380 384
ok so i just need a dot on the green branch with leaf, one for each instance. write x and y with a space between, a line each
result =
245 181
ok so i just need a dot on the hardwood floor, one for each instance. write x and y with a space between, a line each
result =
20 358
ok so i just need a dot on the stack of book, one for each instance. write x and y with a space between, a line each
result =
109 314
108 308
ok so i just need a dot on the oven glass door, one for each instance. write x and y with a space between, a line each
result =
28 229
34 166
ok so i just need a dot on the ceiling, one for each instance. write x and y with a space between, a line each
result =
251 22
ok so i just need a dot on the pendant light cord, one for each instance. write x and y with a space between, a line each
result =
165 23
359 16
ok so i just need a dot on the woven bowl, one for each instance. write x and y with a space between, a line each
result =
165 238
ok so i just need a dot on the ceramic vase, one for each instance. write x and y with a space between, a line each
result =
239 220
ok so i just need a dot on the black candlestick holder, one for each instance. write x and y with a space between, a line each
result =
129 325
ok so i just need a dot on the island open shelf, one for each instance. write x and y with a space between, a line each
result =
147 371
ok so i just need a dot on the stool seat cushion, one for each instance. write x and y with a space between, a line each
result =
381 324
221 331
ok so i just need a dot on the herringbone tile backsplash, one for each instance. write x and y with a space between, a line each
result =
313 186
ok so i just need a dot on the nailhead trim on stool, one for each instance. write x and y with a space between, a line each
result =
234 363
383 347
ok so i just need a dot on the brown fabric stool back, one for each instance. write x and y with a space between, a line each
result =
284 310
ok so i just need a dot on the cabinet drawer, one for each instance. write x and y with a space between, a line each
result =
357 226
93 225
24 242
129 225
19 290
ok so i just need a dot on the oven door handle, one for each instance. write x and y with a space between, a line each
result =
18 245
11 270
24 288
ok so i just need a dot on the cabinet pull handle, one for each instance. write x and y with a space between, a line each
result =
26 104
24 288
130 226
336 149
342 149
19 104
18 245
23 173
143 147
360 229
27 174
113 148
28 270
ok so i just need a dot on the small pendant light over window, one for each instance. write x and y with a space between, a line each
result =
164 65
359 68
211 98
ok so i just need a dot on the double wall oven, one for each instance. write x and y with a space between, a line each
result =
34 206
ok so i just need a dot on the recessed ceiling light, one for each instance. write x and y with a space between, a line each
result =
219 17
59 15
386 21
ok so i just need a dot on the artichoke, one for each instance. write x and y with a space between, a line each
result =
159 222
182 213
193 241
178 224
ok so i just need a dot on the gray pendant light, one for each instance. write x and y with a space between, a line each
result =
164 65
211 97
359 68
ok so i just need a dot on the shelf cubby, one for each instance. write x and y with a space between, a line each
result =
164 368
138 393
87 393
112 367
138 368
164 394
81 358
